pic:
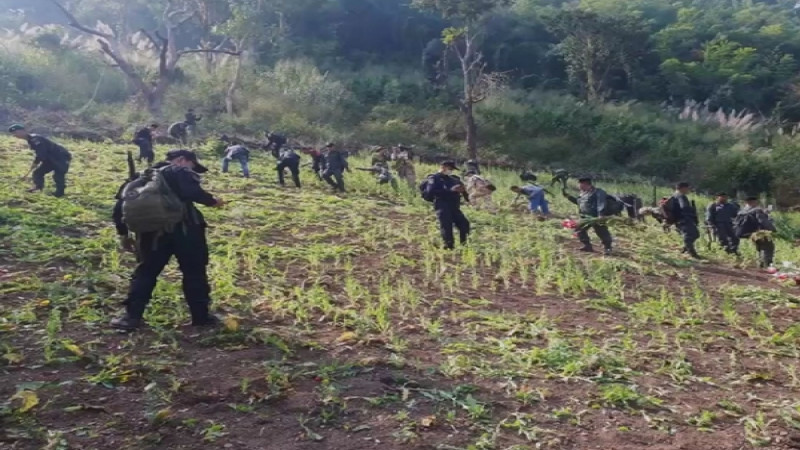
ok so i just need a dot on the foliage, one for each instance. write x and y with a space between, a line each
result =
339 69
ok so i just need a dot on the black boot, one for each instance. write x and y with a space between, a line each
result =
201 317
126 322
209 320
587 248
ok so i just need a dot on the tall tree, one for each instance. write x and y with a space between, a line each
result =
463 41
174 16
598 48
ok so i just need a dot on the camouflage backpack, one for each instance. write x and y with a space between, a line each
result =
149 205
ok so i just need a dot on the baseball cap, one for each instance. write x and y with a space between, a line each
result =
188 154
721 194
450 164
751 199
16 127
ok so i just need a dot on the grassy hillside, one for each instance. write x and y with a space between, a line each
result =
347 328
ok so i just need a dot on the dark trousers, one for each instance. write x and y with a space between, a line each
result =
766 252
330 175
294 167
690 235
188 244
727 237
448 218
146 152
601 231
59 176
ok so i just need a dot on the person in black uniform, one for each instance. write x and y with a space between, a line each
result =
191 121
50 157
335 165
446 190
289 159
144 139
685 216
719 216
187 243
179 132
275 142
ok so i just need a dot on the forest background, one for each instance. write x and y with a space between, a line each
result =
703 90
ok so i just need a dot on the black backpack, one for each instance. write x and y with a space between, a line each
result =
745 224
423 189
614 206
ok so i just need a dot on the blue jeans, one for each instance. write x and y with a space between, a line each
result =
242 162
538 201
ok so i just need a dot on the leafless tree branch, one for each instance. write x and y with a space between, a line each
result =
74 23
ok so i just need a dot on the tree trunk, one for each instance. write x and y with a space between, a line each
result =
468 104
229 96
155 99
472 130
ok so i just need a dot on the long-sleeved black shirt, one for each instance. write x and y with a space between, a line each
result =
683 210
192 119
276 139
440 187
185 184
721 213
336 161
144 136
590 203
48 151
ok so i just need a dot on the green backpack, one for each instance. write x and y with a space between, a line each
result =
149 205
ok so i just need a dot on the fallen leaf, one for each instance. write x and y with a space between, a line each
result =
347 336
13 358
28 400
428 421
231 324
74 349
361 428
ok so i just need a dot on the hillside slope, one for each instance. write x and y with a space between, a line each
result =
349 329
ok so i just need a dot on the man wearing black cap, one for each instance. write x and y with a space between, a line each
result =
719 216
751 219
592 202
144 140
445 191
685 216
335 165
50 157
186 241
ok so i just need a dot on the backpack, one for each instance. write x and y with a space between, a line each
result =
177 129
667 209
745 224
150 205
614 205
423 189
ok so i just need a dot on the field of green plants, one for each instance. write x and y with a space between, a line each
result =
346 327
